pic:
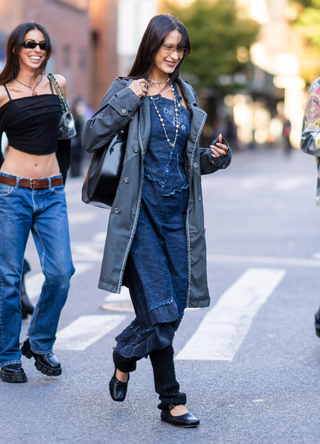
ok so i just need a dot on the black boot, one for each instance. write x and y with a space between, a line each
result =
47 364
13 373
317 323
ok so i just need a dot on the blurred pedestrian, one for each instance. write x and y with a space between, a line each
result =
310 144
155 243
79 110
26 306
32 198
286 131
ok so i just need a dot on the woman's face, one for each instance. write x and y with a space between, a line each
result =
32 58
167 58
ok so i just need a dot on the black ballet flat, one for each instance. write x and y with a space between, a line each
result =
186 420
118 389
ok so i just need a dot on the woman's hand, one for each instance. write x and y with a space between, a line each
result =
220 149
139 87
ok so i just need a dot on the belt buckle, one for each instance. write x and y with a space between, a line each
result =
31 184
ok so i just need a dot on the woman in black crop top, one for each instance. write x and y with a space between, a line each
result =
32 198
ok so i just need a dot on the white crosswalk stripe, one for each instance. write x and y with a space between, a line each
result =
223 329
82 218
86 330
258 182
35 281
219 335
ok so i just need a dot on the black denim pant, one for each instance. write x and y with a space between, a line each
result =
166 384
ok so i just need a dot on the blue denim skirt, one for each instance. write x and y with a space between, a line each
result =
156 272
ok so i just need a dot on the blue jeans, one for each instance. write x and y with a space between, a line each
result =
44 213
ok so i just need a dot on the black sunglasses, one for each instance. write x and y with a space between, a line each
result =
30 44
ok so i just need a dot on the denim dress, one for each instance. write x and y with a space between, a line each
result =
157 268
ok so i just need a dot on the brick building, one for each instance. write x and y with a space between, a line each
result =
67 23
104 57
83 34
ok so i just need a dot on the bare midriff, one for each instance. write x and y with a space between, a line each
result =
30 166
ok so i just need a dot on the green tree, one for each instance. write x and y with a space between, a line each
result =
307 23
217 30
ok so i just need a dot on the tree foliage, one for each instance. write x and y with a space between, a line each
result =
307 24
308 20
216 31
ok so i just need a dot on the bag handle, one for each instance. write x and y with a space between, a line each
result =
63 102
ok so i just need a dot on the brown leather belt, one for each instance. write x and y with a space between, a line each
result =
31 183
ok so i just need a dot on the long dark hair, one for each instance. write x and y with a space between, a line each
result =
15 39
152 40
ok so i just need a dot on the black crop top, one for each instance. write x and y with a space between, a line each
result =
31 123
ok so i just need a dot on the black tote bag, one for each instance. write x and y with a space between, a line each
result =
103 176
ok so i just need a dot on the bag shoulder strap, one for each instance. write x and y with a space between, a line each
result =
56 86
50 81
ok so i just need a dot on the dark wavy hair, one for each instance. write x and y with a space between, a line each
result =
152 40
15 39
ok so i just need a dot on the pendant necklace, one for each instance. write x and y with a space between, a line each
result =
161 119
154 82
34 92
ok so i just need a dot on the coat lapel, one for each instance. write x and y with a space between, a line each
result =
144 124
198 116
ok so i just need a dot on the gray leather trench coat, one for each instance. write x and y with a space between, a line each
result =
121 107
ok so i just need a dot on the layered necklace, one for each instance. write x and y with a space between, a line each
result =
175 101
34 92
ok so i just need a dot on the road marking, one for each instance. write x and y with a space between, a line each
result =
34 282
287 261
123 296
292 183
254 182
86 330
81 218
85 252
100 237
257 182
224 327
73 198
119 302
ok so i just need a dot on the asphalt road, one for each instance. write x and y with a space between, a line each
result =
253 376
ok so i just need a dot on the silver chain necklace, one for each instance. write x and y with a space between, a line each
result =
162 121
34 93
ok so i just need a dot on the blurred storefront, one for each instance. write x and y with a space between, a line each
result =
254 104
277 90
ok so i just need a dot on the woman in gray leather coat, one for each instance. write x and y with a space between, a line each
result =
155 242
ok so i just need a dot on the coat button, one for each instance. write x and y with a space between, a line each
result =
199 198
126 180
116 210
135 150
123 111
195 165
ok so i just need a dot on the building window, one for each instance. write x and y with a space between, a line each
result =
79 5
82 60
66 56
